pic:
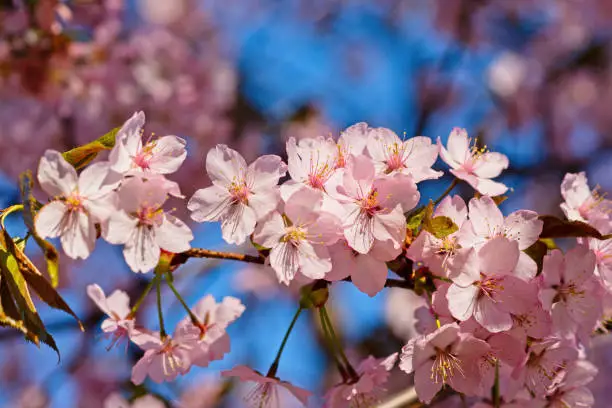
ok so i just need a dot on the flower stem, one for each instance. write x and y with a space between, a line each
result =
495 390
192 316
332 347
447 191
351 371
160 314
274 366
142 297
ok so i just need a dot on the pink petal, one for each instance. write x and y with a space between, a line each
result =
141 252
79 236
526 268
303 205
168 154
490 165
173 235
300 393
453 207
96 294
490 187
553 267
120 228
224 165
140 370
498 256
575 189
270 230
238 223
118 302
458 145
379 140
50 219
284 259
491 317
209 204
263 173
426 388
314 261
244 373
369 275
55 175
487 220
579 264
462 300
524 227
128 141
397 189
354 138
97 180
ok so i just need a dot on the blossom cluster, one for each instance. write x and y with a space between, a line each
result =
499 325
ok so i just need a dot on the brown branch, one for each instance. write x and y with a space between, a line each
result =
206 253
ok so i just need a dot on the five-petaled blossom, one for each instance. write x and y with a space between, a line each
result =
582 204
571 291
299 239
268 392
164 359
446 356
241 195
142 226
367 389
473 164
491 293
79 202
129 156
374 205
120 324
414 156
209 334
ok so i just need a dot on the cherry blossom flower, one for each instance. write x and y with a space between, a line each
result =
240 195
311 163
374 205
414 156
164 359
143 226
119 325
367 271
445 356
115 400
545 366
535 323
571 292
444 256
352 142
602 248
299 241
79 202
487 222
582 204
492 294
211 339
268 392
472 164
366 391
572 392
129 156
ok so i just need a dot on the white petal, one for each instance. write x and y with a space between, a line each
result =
120 228
142 252
79 237
168 154
173 235
49 220
55 175
209 204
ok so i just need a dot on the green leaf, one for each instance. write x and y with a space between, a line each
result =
441 226
30 274
537 252
83 155
557 228
30 206
18 310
